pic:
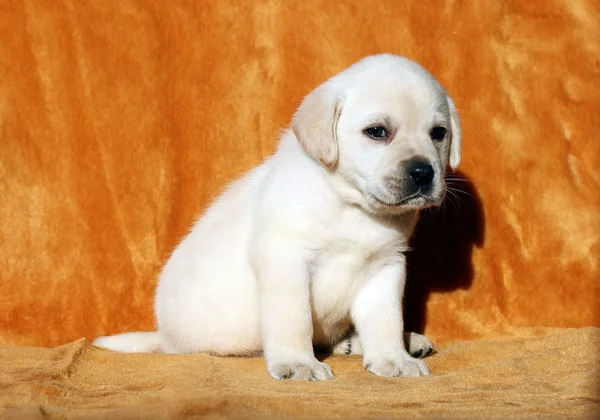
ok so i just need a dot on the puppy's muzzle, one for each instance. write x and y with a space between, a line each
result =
415 185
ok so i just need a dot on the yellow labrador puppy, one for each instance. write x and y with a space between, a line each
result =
311 243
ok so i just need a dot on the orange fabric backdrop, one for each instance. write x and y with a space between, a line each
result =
120 120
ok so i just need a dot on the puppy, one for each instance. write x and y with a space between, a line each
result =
311 243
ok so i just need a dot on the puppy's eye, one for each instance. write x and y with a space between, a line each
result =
437 133
377 133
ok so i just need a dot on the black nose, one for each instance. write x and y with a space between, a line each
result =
421 173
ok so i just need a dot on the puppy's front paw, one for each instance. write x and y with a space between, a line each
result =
400 365
314 371
417 345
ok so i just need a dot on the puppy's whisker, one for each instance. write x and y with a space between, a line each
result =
454 178
412 221
454 206
456 191
451 196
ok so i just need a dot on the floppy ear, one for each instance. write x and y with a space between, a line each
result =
456 136
315 125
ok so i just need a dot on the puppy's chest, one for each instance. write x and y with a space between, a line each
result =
354 246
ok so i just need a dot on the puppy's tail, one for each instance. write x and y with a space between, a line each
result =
135 342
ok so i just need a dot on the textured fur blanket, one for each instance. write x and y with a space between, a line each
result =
121 120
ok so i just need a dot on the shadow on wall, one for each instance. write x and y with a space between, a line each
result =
442 245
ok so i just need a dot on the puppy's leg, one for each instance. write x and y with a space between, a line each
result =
286 321
377 316
417 345
350 344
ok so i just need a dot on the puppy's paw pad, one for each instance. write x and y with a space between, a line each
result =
398 367
414 369
280 371
418 345
387 369
316 371
321 372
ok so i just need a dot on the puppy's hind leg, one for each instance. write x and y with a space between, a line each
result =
350 344
417 345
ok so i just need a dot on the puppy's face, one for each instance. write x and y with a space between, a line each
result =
389 132
394 142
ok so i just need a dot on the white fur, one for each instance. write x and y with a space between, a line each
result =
310 243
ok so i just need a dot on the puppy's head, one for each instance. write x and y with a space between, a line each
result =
386 130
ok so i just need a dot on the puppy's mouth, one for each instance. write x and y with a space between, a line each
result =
415 201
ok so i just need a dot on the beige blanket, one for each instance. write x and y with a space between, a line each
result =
549 377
